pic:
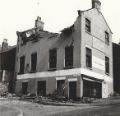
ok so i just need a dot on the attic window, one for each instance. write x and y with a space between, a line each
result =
106 37
87 25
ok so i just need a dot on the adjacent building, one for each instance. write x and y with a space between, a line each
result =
7 65
76 63
116 67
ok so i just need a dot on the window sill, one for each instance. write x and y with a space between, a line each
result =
68 67
52 69
33 71
108 74
90 68
88 32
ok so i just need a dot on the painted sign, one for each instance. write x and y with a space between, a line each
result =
98 63
98 44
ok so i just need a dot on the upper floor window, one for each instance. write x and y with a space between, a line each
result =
52 58
33 62
22 64
106 65
88 58
106 37
87 25
69 57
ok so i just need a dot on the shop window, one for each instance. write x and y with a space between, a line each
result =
69 57
22 64
33 62
87 25
52 58
88 58
106 37
107 65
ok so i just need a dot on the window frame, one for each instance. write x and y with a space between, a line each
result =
53 63
107 38
107 65
66 60
87 25
22 66
89 58
32 64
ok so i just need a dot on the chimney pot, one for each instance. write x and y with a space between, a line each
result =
96 4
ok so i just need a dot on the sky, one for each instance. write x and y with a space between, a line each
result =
20 15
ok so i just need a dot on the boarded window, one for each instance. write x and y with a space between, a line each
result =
106 65
69 57
33 62
106 37
88 58
52 58
22 64
87 25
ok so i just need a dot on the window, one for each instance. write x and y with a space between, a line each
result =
52 58
33 62
69 57
87 25
22 64
60 87
106 65
88 58
106 37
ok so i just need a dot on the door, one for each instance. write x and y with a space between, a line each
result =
72 90
24 87
41 88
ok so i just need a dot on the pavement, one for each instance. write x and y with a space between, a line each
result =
35 109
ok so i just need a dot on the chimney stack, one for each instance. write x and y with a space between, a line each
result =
39 24
4 45
96 4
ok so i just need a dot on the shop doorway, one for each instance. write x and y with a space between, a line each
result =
41 88
24 87
72 90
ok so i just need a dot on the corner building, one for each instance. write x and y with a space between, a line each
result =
77 62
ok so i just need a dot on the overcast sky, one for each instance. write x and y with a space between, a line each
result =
19 15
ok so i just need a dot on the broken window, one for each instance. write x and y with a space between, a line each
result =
60 87
106 65
33 62
52 58
69 57
87 25
22 64
88 58
106 37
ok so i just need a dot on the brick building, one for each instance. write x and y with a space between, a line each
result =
77 62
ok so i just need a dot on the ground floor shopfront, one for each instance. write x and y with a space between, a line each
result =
72 83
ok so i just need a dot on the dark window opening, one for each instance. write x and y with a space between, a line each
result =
60 87
24 87
22 64
87 25
41 88
106 37
33 62
52 58
69 57
88 58
106 65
